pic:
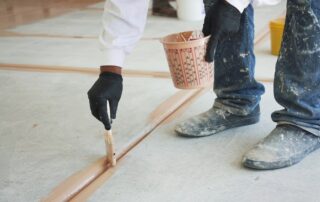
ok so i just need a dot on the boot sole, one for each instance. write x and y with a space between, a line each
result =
262 165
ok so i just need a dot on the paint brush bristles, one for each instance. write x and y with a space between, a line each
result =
111 155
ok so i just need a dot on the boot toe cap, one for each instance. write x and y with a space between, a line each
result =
265 159
186 129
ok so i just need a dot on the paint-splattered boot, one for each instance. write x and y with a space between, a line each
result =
284 146
213 121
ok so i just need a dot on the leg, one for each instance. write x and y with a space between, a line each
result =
234 84
296 87
237 91
297 77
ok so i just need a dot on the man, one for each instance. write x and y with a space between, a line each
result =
230 24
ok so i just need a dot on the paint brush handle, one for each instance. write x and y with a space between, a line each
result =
111 155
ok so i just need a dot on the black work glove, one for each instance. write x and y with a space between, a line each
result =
108 87
221 19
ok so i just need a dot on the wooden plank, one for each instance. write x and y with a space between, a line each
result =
76 183
60 147
86 70
178 102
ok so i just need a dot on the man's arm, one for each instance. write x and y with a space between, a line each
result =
123 24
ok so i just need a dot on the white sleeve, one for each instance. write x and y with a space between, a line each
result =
123 24
257 3
242 4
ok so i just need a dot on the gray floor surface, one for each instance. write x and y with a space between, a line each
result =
46 123
48 133
166 167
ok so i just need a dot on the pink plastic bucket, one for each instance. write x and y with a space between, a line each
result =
185 53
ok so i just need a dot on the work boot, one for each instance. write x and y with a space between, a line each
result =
284 146
213 121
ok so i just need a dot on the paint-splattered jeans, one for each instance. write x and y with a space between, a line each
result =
297 76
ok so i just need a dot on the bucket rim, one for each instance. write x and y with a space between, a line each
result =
162 40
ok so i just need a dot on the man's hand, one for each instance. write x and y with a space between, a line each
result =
221 19
108 87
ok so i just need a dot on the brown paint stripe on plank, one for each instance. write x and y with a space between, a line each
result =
77 181
184 107
259 37
6 33
102 9
136 73
48 68
87 191
265 80
83 179
85 70
188 98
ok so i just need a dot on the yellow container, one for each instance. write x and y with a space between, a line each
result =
276 30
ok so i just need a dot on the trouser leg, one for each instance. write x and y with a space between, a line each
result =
297 76
234 84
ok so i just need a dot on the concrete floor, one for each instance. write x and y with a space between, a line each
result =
47 132
166 167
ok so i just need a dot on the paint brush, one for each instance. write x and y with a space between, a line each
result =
111 155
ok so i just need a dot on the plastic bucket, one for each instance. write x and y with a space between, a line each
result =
276 30
185 53
190 10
